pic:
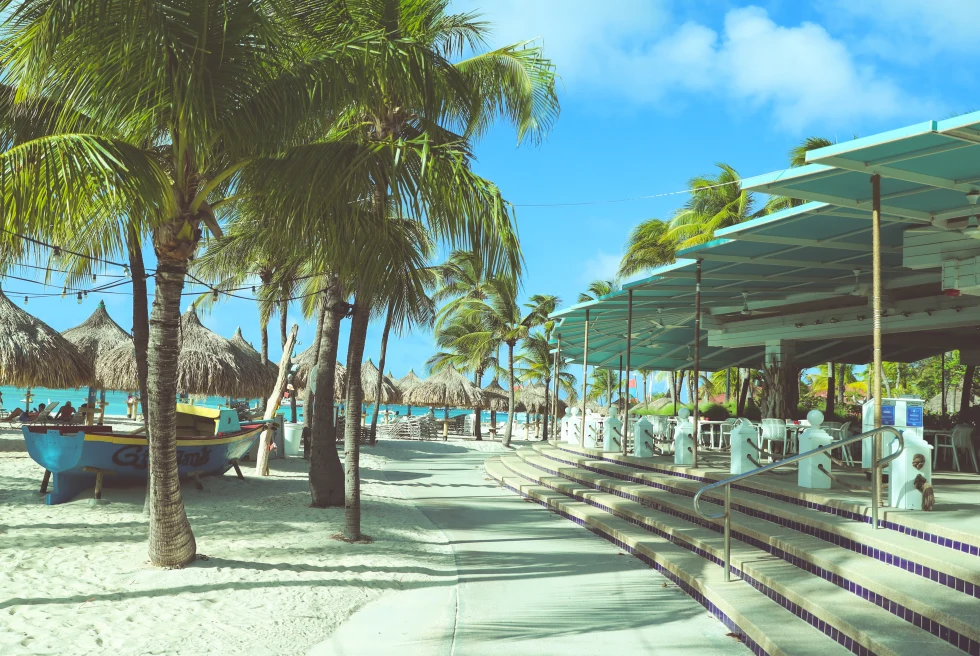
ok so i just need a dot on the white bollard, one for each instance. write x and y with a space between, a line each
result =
643 438
593 436
814 437
684 438
612 431
563 426
915 461
744 437
574 427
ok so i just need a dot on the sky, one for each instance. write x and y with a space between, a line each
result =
653 93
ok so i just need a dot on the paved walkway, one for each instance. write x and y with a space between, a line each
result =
528 581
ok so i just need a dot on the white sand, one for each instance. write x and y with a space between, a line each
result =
74 579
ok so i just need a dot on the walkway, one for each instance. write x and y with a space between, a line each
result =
528 581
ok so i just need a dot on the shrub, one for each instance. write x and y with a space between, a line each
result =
713 411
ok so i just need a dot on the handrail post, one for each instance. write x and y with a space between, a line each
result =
728 533
875 479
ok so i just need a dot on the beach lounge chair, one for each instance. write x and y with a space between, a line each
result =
12 417
42 417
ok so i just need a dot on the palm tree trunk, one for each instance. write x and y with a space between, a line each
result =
477 379
967 394
831 388
608 388
381 375
264 344
326 472
510 394
744 396
141 320
283 306
317 340
171 539
352 425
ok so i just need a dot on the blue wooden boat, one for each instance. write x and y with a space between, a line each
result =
209 442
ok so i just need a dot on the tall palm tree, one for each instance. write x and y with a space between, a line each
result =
599 288
797 158
537 365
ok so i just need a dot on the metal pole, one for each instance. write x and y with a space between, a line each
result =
585 377
728 533
554 428
619 385
697 357
629 345
876 291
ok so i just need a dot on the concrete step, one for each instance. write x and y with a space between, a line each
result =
953 536
814 599
762 623
954 569
905 596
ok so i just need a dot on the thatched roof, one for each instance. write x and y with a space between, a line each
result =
495 397
33 354
252 360
369 385
954 395
304 363
447 388
207 364
407 383
97 335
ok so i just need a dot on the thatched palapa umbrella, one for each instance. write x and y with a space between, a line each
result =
301 377
33 354
445 389
97 335
406 384
266 371
495 397
208 364
369 383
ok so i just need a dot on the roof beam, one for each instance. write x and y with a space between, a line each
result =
931 181
817 243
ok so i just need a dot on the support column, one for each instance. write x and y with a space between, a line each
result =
876 308
629 345
557 373
778 364
697 359
585 377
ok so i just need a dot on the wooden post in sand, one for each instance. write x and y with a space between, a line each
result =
262 461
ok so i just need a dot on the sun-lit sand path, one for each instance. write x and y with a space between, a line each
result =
527 582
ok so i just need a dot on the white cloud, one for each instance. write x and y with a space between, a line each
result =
601 266
633 51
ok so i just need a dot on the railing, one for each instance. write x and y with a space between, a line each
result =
836 444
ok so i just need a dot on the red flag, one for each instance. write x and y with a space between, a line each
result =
632 383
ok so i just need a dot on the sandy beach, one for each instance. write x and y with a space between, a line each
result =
74 579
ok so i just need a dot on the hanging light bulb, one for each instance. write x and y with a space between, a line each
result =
214 295
86 293
95 278
25 300
57 251
253 289
125 270
64 292
79 298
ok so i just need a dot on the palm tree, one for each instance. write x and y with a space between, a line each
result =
599 288
537 363
716 202
502 321
461 277
205 123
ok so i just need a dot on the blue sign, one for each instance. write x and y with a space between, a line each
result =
887 415
913 416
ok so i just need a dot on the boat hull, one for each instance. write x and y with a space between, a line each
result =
67 454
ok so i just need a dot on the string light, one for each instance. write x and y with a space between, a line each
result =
79 298
95 278
25 300
64 292
214 295
126 270
57 252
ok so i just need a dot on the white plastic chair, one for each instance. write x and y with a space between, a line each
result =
961 438
773 430
725 431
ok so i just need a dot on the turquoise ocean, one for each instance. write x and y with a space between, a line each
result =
13 397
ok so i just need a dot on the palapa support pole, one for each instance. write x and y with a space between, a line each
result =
629 346
876 301
697 358
272 404
585 377
619 386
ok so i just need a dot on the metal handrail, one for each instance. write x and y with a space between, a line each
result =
836 444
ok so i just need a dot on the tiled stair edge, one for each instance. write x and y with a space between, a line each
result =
846 510
690 586
937 629
960 585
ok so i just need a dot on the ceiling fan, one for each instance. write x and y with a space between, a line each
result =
859 289
747 312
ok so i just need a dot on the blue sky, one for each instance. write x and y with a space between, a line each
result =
655 92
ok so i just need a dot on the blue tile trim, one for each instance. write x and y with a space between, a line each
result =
960 585
970 549
683 585
937 629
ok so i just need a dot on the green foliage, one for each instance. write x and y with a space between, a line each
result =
713 411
